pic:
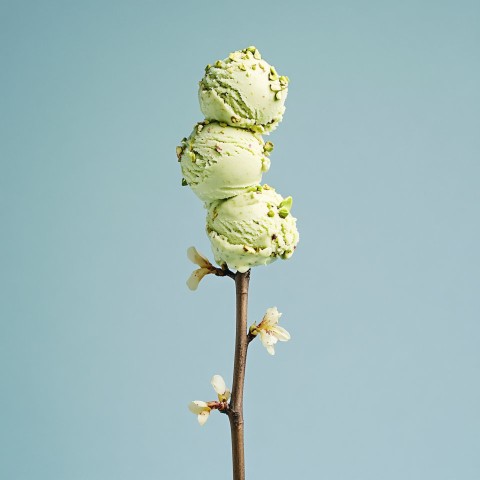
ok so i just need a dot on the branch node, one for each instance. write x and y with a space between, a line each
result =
224 271
250 337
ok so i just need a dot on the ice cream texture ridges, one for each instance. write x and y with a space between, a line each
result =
225 156
219 161
251 229
244 91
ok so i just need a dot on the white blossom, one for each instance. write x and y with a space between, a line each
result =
218 384
205 268
269 331
201 409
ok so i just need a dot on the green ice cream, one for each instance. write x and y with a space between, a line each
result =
244 91
219 161
251 229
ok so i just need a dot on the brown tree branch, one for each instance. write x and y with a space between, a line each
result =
235 411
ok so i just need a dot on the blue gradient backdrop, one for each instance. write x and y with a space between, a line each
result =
101 344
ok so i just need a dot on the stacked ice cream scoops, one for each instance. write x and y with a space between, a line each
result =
223 160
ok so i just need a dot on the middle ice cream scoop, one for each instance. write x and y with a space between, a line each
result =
251 229
219 161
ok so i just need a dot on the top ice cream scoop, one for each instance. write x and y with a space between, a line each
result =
244 91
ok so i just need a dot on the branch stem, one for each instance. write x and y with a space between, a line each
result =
235 412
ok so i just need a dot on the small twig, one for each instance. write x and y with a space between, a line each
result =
223 272
220 406
250 337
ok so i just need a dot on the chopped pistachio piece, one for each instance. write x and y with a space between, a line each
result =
268 147
287 203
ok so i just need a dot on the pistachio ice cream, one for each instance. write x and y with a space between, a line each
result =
251 229
244 91
224 158
219 161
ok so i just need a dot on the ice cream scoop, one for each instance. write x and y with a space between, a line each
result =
244 91
251 229
219 161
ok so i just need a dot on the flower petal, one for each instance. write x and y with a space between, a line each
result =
203 417
198 406
227 394
196 276
196 257
218 384
281 333
271 317
270 350
267 338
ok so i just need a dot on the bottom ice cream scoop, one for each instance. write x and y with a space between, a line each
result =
251 229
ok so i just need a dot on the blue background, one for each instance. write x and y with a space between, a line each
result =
102 346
